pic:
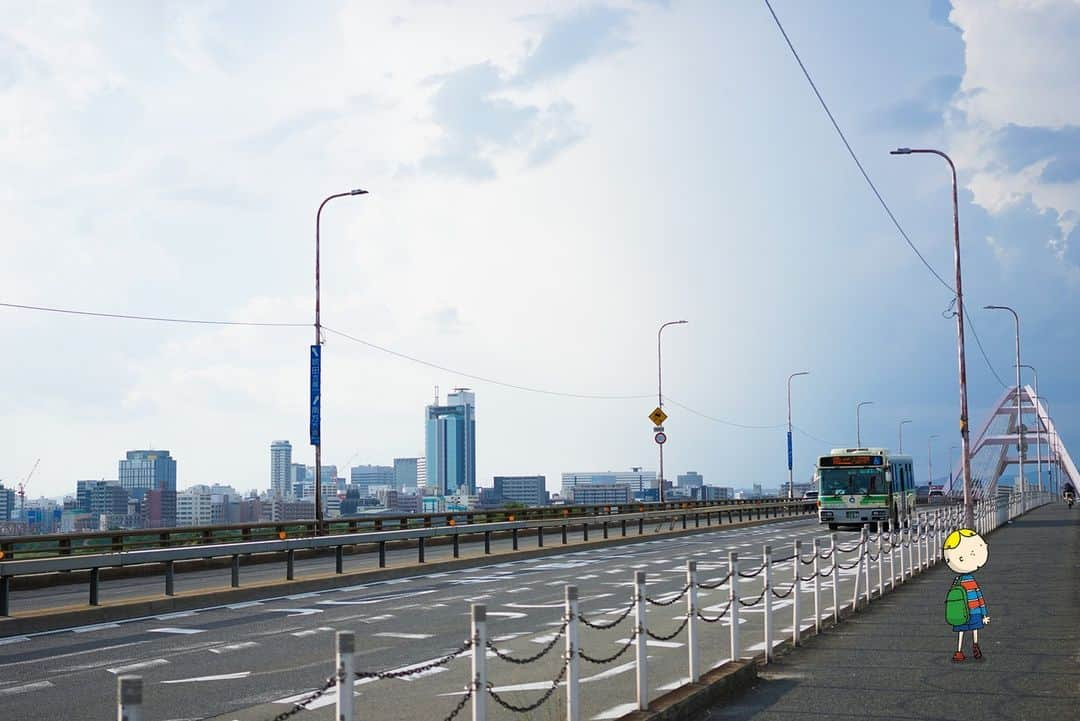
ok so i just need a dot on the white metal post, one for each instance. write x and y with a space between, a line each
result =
129 698
918 544
926 542
767 598
835 578
573 670
733 605
858 573
817 585
796 586
692 622
346 670
642 652
880 565
479 662
892 557
865 542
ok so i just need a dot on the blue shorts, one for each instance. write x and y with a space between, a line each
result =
974 623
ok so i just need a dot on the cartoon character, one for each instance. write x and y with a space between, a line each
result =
965 608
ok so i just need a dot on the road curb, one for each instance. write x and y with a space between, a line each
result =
63 617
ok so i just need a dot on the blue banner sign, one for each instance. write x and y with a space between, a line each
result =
316 383
789 450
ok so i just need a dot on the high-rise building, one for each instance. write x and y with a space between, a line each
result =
638 480
421 472
281 468
450 443
364 477
600 494
194 506
7 503
99 497
528 490
690 479
145 471
405 473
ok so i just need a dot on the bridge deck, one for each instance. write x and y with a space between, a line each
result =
893 661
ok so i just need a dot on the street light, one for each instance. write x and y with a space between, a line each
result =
316 368
790 479
1019 406
930 462
1038 422
969 514
901 449
858 421
660 394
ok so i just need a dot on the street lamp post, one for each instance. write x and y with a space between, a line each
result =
901 449
969 515
1038 423
316 367
660 394
858 421
1019 405
930 462
790 455
951 449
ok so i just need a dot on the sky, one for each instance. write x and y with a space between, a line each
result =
549 182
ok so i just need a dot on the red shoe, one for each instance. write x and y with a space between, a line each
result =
958 657
976 652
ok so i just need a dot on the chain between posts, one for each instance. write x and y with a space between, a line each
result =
301 705
536 704
543 652
402 673
461 704
606 626
670 600
718 584
676 632
791 587
760 596
615 656
752 574
706 619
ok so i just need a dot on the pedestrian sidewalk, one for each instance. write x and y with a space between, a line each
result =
893 660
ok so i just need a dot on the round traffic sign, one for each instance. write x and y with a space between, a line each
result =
661 438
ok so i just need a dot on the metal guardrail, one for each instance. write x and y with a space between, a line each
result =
67 544
379 540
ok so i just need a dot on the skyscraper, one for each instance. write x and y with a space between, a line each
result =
406 473
150 477
363 477
281 469
450 443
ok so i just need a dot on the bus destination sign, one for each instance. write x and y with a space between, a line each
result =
827 461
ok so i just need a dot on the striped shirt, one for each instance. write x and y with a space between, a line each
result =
976 603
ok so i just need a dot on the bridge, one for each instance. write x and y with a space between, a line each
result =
679 613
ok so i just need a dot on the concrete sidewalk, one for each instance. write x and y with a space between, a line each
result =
894 659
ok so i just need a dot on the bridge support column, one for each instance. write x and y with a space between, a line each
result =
95 577
382 554
487 542
339 559
290 564
420 549
514 538
5 595
170 579
235 580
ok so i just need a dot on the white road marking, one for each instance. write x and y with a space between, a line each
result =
546 638
369 601
613 671
506 614
245 604
95 627
13 639
615 712
234 647
179 631
298 596
533 605
171 616
219 677
657 644
35 686
395 634
298 611
118 670
73 653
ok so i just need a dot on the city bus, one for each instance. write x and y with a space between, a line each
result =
857 486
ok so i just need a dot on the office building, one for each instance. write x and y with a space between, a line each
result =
406 473
527 490
690 479
7 504
637 479
151 470
194 506
97 497
421 472
364 477
711 493
590 494
450 444
281 468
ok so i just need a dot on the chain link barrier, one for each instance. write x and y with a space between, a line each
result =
606 626
777 594
536 704
706 619
543 652
301 705
752 574
670 600
760 596
676 632
599 661
403 672
718 584
461 704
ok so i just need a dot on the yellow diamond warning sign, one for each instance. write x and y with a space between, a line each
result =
658 416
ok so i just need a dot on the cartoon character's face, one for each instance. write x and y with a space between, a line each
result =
969 556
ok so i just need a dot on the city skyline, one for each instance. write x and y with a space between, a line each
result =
546 187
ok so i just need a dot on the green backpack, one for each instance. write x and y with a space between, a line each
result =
957 612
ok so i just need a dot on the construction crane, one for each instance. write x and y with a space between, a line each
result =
22 491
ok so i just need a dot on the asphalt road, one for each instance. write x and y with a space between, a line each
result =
250 661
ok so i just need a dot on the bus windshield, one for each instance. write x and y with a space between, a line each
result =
852 481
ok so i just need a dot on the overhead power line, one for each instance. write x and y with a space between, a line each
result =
669 399
873 187
156 319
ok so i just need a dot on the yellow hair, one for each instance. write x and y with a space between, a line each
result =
953 539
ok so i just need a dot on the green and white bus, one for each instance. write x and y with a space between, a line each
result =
857 486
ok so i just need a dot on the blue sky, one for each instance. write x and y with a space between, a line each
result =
549 182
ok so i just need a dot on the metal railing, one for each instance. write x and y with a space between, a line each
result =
917 542
380 541
67 544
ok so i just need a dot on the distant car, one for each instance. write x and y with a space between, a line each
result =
935 496
812 495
